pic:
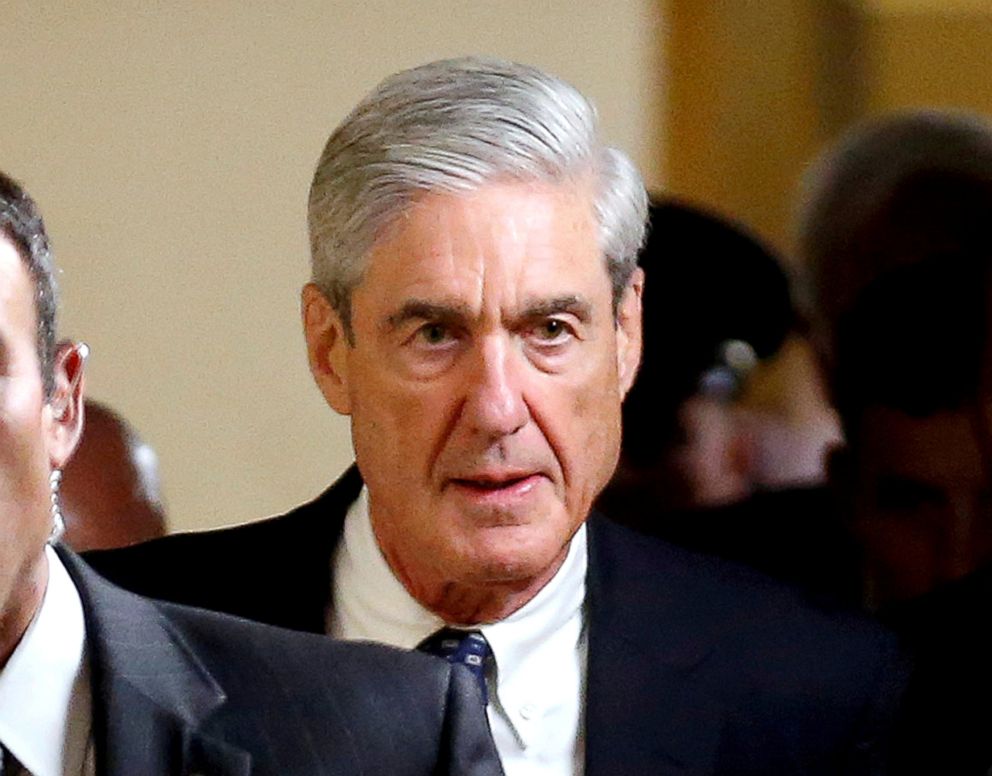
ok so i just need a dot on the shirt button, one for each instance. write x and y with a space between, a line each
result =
527 711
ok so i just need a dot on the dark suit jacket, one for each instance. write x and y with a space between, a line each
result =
948 710
797 535
178 690
695 666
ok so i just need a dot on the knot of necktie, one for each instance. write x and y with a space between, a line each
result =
465 647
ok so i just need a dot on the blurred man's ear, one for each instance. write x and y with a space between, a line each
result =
64 411
629 331
327 346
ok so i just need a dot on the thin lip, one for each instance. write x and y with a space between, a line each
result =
509 478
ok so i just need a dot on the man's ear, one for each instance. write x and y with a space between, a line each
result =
629 330
64 421
327 346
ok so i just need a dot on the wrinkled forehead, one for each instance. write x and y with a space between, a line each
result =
499 198
535 235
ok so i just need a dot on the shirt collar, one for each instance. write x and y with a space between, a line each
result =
44 688
369 602
559 601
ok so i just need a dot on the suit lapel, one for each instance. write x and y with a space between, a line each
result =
140 735
295 550
651 703
323 526
151 695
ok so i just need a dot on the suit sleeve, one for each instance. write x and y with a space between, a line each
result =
466 744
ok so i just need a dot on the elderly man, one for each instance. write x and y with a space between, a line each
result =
95 680
475 310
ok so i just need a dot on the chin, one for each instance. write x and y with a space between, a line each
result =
510 560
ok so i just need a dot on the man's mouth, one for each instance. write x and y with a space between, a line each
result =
503 485
491 484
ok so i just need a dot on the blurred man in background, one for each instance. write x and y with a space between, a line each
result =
897 237
896 231
111 493
724 404
727 427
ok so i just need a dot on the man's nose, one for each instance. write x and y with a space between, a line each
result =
494 404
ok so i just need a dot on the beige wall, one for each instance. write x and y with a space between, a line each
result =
171 145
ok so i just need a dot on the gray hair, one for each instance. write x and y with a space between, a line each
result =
451 126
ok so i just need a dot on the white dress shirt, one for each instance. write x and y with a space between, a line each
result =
537 694
45 712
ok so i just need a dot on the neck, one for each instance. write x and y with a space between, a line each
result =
23 600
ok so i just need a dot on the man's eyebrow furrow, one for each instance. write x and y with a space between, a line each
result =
419 309
572 304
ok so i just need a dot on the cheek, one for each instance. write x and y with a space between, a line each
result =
599 414
589 436
397 420
24 489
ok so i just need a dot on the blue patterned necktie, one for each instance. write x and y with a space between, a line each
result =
468 648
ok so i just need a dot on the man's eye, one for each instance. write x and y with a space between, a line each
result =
550 330
434 333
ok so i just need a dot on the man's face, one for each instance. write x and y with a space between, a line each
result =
923 509
31 442
485 383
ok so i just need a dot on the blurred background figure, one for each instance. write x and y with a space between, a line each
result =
727 401
897 236
111 493
897 233
727 428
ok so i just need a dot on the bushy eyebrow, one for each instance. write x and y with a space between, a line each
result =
423 310
457 313
545 308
